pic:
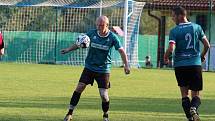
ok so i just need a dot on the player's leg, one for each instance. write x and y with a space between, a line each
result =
183 83
196 86
105 102
74 100
76 96
186 104
104 85
195 103
86 78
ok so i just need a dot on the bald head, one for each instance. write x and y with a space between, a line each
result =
102 23
103 19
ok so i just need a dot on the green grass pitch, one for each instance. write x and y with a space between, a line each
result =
31 92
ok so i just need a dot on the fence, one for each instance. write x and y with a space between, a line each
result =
34 32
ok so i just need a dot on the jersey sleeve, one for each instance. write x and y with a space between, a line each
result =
172 38
201 33
116 42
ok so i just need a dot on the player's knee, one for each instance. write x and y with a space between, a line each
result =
184 91
104 95
80 88
195 94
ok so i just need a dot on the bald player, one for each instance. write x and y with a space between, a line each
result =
97 64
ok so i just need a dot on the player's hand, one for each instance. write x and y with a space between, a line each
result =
203 58
127 69
166 61
2 51
64 51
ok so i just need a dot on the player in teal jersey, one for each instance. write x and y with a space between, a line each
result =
97 64
185 41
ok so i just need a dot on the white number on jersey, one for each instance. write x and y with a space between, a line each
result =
188 38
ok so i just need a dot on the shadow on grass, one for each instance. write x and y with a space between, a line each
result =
10 117
128 104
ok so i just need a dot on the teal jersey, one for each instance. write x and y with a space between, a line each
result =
187 37
99 55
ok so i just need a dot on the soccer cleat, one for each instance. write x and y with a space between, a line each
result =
190 119
194 114
68 117
105 117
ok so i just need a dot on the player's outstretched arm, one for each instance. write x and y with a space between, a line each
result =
205 49
125 60
66 50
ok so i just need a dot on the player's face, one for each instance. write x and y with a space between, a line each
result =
102 26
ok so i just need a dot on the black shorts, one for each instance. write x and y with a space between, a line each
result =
189 76
89 76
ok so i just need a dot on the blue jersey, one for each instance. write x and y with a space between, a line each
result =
187 37
99 55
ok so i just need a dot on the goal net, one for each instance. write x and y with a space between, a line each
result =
36 31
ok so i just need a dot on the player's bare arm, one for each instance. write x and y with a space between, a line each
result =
168 52
2 51
125 60
205 49
66 50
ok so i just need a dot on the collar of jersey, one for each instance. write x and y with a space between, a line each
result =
105 35
184 23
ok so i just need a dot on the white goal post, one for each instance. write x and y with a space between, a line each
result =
39 29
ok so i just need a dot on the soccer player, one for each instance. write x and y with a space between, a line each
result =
1 45
185 40
97 64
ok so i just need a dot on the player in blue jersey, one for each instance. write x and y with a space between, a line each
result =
184 41
97 64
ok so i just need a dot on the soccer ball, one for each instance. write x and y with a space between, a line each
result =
83 41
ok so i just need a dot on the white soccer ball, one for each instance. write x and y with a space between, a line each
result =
83 41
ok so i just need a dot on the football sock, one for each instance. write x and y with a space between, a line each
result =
190 119
74 101
195 102
105 106
186 106
70 112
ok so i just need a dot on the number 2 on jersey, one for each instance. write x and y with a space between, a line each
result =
188 38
